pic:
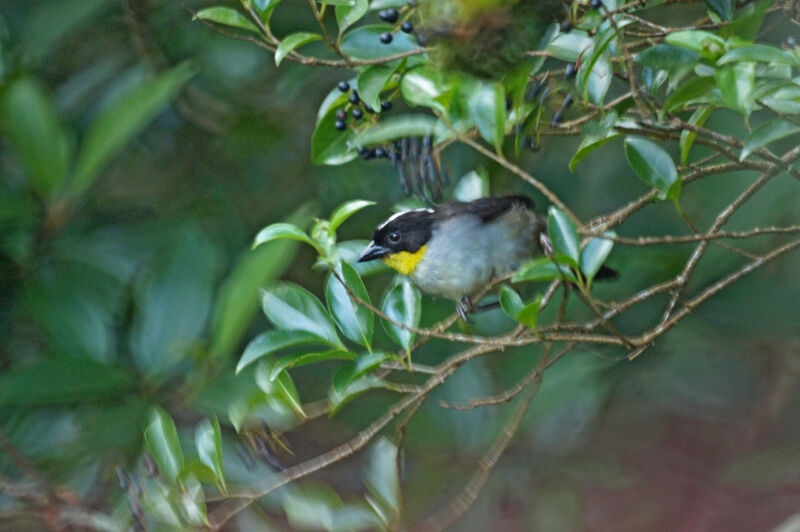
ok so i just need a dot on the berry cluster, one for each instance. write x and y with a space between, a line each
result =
358 107
391 16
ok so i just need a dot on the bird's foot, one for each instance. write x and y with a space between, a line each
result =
464 307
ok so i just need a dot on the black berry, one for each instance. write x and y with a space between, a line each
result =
412 3
368 109
566 26
367 154
380 153
407 27
595 4
357 113
354 99
341 115
344 86
386 37
570 70
340 125
386 106
389 15
568 100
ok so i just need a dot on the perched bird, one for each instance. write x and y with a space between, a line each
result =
454 249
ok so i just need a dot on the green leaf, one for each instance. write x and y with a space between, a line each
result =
37 137
192 502
227 17
283 230
397 127
426 86
510 301
237 298
570 46
667 57
353 390
371 81
265 9
686 93
595 254
382 478
705 43
62 381
594 73
698 118
473 185
761 53
528 315
328 145
403 304
596 133
208 441
316 506
289 306
486 107
304 359
292 42
355 321
161 437
722 8
272 341
766 133
281 387
347 15
364 42
362 365
748 22
345 211
736 83
121 121
564 235
542 269
653 165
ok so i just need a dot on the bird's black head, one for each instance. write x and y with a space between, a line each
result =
405 231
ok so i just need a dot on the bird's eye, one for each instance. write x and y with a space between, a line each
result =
394 238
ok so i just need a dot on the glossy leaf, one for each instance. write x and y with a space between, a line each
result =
383 480
265 8
686 93
736 83
595 254
237 299
542 269
654 166
37 137
563 235
345 211
282 230
667 57
594 73
397 127
354 320
304 359
588 145
766 133
487 109
698 118
426 86
371 81
192 502
328 145
316 506
510 301
273 341
281 387
121 121
227 17
705 43
362 365
364 42
292 42
289 306
208 442
748 21
722 8
528 315
353 390
473 185
161 437
347 15
570 46
403 304
761 53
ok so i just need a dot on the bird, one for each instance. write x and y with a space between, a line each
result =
453 249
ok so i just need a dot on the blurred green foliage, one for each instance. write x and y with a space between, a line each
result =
142 153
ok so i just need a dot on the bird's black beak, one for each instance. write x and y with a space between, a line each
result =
374 251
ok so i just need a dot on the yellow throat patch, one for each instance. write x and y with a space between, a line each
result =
403 261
